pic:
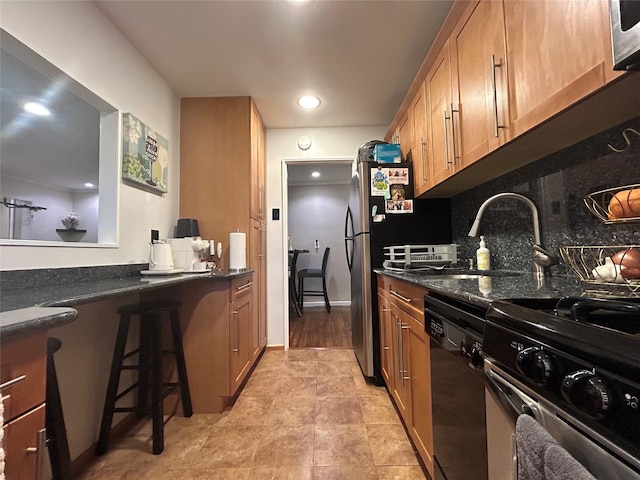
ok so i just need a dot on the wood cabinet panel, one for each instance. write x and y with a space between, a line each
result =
23 446
401 389
479 78
23 356
419 371
406 138
439 98
240 354
258 167
216 340
556 56
386 340
407 296
257 261
420 137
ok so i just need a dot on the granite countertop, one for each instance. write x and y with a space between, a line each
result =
25 308
497 285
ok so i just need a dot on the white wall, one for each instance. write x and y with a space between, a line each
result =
80 40
326 144
316 212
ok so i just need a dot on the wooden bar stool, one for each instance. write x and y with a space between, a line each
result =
150 355
57 443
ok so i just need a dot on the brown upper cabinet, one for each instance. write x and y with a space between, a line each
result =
405 133
441 162
258 167
557 54
497 72
419 150
478 70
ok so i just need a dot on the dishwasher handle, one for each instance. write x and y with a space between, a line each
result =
505 395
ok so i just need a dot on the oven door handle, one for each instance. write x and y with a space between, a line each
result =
510 400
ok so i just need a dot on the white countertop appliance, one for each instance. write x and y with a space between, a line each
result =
188 251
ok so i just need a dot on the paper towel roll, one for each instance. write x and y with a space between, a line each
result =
237 250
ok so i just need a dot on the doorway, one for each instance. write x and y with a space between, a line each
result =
316 203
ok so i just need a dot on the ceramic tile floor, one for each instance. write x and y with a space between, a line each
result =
303 414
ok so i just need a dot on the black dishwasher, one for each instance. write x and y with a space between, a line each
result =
455 329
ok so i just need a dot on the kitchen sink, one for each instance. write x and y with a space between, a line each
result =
453 274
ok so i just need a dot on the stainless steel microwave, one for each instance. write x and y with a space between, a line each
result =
625 34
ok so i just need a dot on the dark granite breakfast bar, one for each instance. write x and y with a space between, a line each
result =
42 299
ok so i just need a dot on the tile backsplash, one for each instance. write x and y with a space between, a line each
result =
556 184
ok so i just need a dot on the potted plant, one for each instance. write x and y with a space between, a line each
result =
70 232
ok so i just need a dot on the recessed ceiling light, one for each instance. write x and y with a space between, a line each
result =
37 109
315 174
89 185
309 101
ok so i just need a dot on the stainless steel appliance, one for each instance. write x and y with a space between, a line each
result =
455 329
625 34
382 211
574 365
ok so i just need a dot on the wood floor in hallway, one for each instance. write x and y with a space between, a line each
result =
317 328
303 415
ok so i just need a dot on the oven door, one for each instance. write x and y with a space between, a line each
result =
625 34
506 398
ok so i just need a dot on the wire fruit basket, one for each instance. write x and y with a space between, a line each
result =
615 205
599 273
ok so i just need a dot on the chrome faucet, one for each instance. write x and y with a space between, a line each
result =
540 257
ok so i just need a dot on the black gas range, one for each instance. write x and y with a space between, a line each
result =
579 358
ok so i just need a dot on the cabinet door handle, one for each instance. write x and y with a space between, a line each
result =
13 381
243 287
496 125
446 141
423 145
261 213
237 349
453 133
39 451
401 297
398 346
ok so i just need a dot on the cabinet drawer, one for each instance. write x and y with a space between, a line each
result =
240 286
23 445
408 297
23 361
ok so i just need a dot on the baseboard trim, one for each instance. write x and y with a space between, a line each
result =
334 303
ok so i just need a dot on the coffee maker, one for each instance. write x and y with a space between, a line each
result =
188 251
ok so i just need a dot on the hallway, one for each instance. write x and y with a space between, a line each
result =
304 414
317 328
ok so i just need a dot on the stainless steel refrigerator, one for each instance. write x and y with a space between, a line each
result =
383 213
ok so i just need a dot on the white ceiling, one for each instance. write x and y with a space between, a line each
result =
359 57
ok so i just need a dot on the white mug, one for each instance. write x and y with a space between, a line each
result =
161 257
199 266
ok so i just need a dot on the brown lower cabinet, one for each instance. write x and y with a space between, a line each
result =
23 363
217 326
404 352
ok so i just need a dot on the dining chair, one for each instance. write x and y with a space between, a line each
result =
293 293
314 273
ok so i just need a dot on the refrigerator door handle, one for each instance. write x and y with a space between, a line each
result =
348 239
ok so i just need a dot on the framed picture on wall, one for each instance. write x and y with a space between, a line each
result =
145 155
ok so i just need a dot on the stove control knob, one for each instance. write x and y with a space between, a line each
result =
535 364
588 393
